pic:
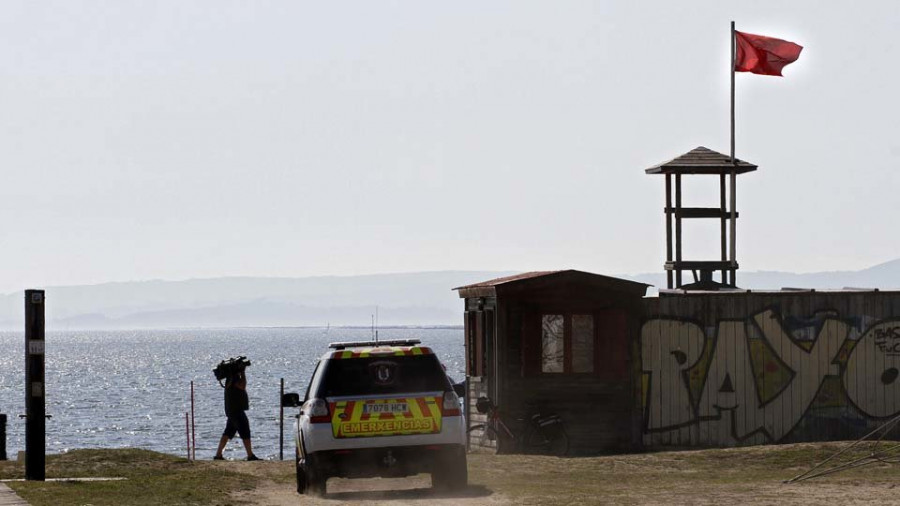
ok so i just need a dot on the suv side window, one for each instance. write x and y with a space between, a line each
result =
315 380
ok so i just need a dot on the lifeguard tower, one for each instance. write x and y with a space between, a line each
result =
702 161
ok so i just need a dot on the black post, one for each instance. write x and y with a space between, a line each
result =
2 436
281 422
35 407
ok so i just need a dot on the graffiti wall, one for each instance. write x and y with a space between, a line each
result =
753 368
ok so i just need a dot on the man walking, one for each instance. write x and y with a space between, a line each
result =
236 404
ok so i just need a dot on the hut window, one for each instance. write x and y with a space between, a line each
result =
552 343
568 345
582 343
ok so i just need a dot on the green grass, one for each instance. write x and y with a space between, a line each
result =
152 478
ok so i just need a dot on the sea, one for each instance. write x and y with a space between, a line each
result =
132 389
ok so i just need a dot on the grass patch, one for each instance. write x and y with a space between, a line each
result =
152 478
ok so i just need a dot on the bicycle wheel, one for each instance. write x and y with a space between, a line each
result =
484 438
542 443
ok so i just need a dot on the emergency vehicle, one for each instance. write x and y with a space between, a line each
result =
379 409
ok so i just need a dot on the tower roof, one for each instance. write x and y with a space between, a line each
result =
702 160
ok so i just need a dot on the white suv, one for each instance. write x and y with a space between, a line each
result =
379 409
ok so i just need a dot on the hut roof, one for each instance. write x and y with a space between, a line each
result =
539 279
702 160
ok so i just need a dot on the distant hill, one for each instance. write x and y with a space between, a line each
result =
420 298
882 276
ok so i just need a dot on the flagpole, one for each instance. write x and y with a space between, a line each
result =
732 92
733 280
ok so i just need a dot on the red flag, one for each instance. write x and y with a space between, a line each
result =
763 55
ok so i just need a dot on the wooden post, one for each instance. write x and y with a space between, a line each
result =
724 231
35 402
193 432
187 434
733 227
669 228
678 229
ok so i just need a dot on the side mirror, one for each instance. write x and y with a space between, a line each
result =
290 400
460 389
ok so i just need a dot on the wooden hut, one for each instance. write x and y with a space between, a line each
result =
559 341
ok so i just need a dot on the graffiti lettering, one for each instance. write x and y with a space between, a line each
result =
732 408
670 349
888 339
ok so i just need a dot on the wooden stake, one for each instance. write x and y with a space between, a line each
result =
187 434
193 433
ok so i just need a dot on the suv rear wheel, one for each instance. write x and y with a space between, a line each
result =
315 479
310 480
301 477
450 472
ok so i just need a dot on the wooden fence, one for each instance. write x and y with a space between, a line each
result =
727 369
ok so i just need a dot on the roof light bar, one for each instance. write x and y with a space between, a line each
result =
369 344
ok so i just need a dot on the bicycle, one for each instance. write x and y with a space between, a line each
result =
544 434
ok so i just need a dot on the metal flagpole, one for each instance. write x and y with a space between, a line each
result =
732 92
733 280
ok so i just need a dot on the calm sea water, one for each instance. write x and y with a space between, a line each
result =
116 389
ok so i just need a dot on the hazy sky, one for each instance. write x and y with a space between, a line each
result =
144 140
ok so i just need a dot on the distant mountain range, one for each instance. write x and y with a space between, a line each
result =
884 276
421 298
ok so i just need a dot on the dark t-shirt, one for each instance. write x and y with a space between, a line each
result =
236 399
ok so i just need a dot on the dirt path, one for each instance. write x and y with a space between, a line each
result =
278 488
399 491
416 491
750 476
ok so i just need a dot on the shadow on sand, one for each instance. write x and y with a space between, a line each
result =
472 491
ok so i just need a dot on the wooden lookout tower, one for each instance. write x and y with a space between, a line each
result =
702 161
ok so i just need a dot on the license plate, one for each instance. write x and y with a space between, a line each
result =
386 407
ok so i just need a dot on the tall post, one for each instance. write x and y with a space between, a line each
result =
193 432
35 403
732 91
281 422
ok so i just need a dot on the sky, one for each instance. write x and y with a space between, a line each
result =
176 140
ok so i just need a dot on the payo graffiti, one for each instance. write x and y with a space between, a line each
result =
765 378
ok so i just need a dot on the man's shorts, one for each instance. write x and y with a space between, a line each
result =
237 424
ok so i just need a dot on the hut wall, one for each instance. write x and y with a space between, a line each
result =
734 369
597 409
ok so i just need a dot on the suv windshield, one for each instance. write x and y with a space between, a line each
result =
383 376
